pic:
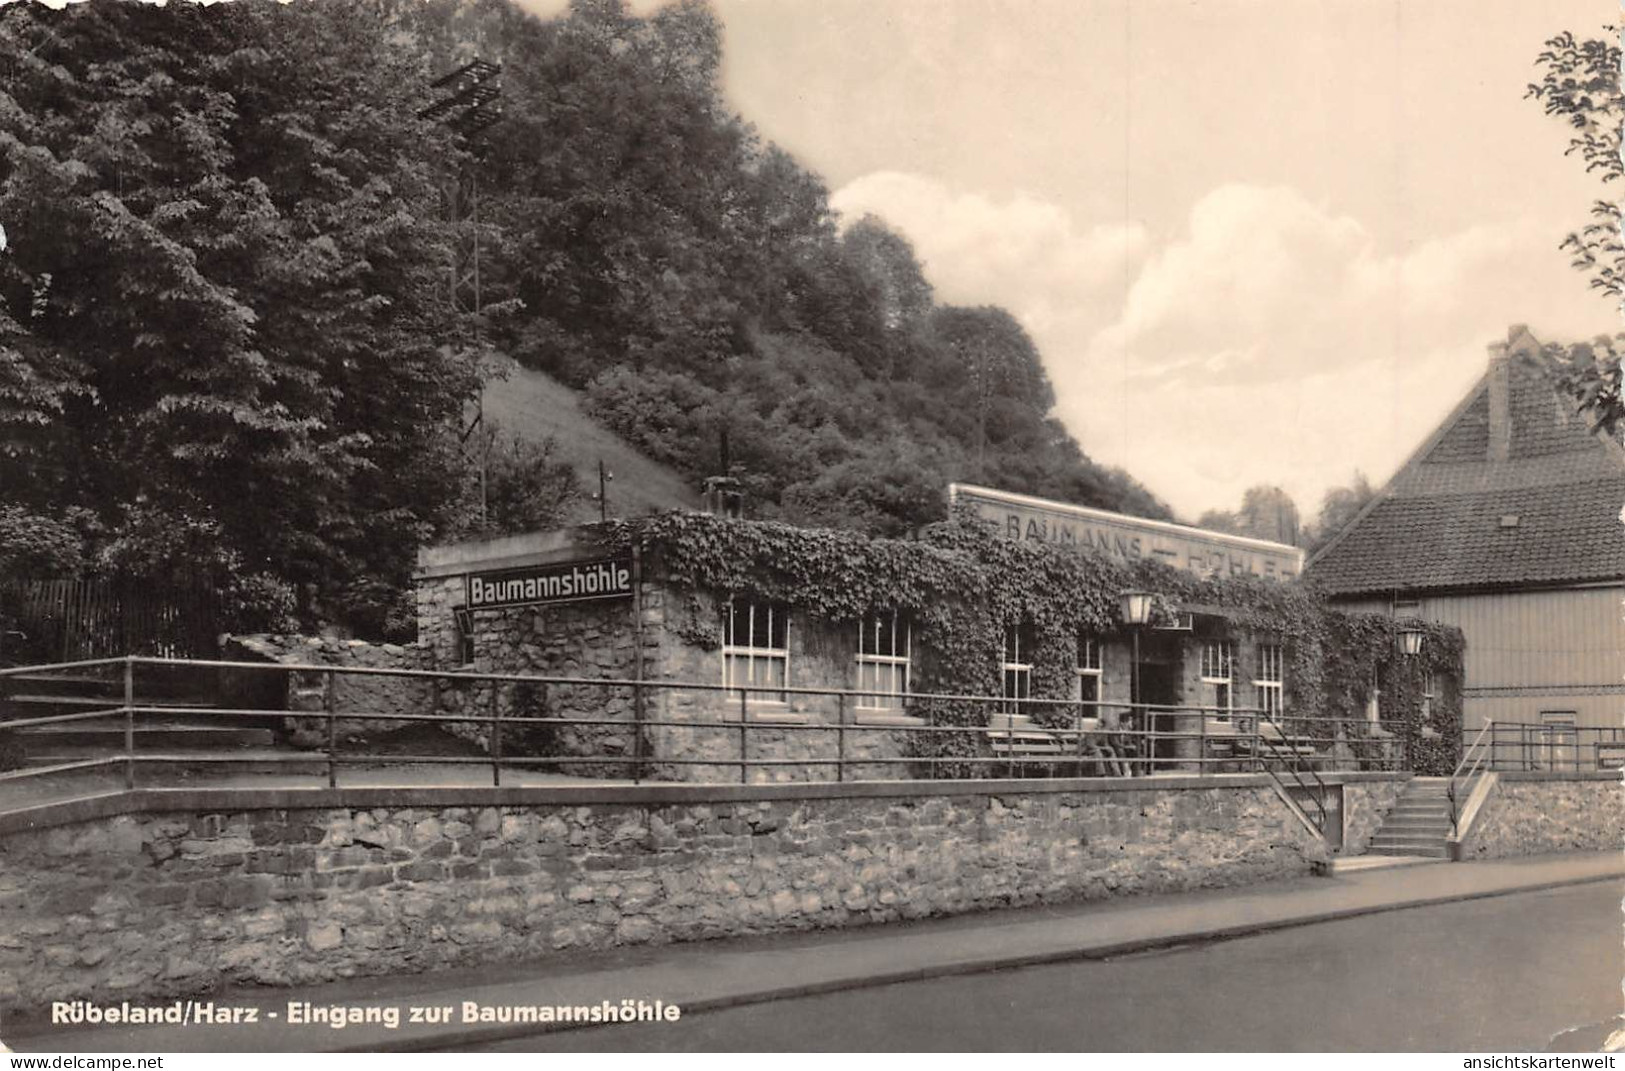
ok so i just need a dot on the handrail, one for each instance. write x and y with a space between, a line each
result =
1085 740
1317 793
1471 759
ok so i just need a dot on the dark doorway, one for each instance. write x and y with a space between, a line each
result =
1159 684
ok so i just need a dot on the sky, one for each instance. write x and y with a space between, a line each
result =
1256 241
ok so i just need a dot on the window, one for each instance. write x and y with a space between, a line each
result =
465 635
1429 686
1017 665
1270 679
1373 702
1088 672
756 650
1217 662
884 646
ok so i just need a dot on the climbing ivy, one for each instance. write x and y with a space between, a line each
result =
963 586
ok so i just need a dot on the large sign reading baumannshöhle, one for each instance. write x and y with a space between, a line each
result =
559 582
1039 520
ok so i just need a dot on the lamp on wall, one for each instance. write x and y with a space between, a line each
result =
1136 607
1136 610
1410 640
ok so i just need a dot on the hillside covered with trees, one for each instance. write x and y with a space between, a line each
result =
229 347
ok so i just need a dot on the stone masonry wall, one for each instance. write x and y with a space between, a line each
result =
1365 805
163 905
797 738
352 694
595 639
1532 815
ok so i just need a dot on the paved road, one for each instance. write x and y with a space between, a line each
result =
1529 972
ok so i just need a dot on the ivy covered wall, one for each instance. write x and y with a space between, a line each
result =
963 586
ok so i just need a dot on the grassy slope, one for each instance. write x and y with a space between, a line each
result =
534 405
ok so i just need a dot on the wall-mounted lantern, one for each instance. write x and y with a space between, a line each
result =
1136 607
1410 640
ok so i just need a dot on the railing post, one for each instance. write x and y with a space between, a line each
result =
1201 739
744 744
330 705
1077 725
496 734
129 722
840 736
637 731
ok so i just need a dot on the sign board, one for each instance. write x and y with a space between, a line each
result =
1041 520
559 582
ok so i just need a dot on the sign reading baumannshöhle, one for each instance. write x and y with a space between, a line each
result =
559 582
1039 520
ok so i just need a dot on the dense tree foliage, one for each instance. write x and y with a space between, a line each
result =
693 281
1580 86
228 345
1266 512
1337 509
222 322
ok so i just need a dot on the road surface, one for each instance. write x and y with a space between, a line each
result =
1530 972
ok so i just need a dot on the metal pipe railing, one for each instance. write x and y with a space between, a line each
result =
1119 738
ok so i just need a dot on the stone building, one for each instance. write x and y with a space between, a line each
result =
695 679
1505 523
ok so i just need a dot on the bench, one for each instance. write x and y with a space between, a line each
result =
1014 736
1611 754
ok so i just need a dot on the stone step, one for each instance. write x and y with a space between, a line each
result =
1438 851
1347 863
1416 826
62 684
1386 841
102 738
170 763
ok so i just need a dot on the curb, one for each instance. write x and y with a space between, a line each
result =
987 964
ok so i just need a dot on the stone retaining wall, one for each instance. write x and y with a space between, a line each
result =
370 693
1365 804
1533 813
150 905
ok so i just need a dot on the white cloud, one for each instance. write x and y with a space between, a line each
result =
1273 340
1023 253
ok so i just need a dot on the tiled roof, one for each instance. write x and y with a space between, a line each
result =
1454 517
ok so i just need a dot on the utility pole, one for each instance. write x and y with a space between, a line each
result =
604 476
471 104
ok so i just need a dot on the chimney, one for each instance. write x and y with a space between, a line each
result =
1500 410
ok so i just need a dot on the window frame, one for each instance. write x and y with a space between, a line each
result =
763 697
1013 668
1268 686
872 701
1090 669
462 619
1223 687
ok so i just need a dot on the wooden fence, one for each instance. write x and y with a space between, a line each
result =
81 619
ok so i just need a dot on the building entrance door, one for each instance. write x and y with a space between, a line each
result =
1159 684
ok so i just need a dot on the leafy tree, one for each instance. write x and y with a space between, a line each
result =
1339 506
227 339
1580 86
1266 512
221 296
529 486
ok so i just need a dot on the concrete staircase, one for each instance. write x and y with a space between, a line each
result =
1419 824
